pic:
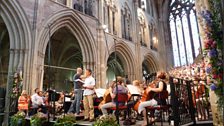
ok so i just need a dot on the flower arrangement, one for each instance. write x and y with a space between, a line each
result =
212 52
17 84
18 119
38 119
106 120
67 120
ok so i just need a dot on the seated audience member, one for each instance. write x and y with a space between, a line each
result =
121 90
23 101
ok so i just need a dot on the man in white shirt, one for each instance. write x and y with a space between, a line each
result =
34 98
37 101
88 96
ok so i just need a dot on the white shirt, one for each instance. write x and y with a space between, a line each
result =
89 81
36 100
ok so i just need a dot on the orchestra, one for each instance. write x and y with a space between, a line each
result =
138 96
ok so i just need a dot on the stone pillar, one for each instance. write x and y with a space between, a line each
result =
9 87
136 40
217 114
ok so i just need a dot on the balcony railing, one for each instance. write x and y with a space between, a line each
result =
190 101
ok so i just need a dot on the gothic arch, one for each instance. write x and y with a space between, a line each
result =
20 46
151 61
73 22
127 57
20 38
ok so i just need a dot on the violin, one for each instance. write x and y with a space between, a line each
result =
146 95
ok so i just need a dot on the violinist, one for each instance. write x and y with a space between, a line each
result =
121 90
159 88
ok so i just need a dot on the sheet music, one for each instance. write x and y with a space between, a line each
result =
67 99
100 92
132 89
79 80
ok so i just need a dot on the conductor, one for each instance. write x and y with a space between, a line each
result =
75 107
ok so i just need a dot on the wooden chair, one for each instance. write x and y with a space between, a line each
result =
121 98
161 108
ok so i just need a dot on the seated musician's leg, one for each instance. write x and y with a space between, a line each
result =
43 109
104 107
129 106
142 106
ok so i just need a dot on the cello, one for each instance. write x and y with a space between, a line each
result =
146 95
106 98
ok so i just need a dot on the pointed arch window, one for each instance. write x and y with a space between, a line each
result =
126 23
64 2
142 30
109 16
85 6
184 32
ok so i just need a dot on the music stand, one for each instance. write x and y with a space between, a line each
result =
53 96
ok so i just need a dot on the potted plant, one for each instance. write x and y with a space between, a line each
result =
106 120
67 120
18 119
38 119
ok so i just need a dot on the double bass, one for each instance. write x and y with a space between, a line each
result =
146 95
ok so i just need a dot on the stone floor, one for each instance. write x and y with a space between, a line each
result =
138 123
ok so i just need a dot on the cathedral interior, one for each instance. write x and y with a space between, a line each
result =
44 41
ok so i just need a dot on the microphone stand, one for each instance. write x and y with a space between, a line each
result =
53 96
65 95
115 58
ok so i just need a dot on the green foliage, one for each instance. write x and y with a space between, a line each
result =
67 120
18 119
106 120
38 119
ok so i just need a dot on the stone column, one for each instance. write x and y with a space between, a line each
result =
136 40
9 87
217 114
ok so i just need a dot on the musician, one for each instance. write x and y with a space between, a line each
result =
34 101
121 90
37 100
75 107
88 96
160 87
131 103
106 97
23 101
60 102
